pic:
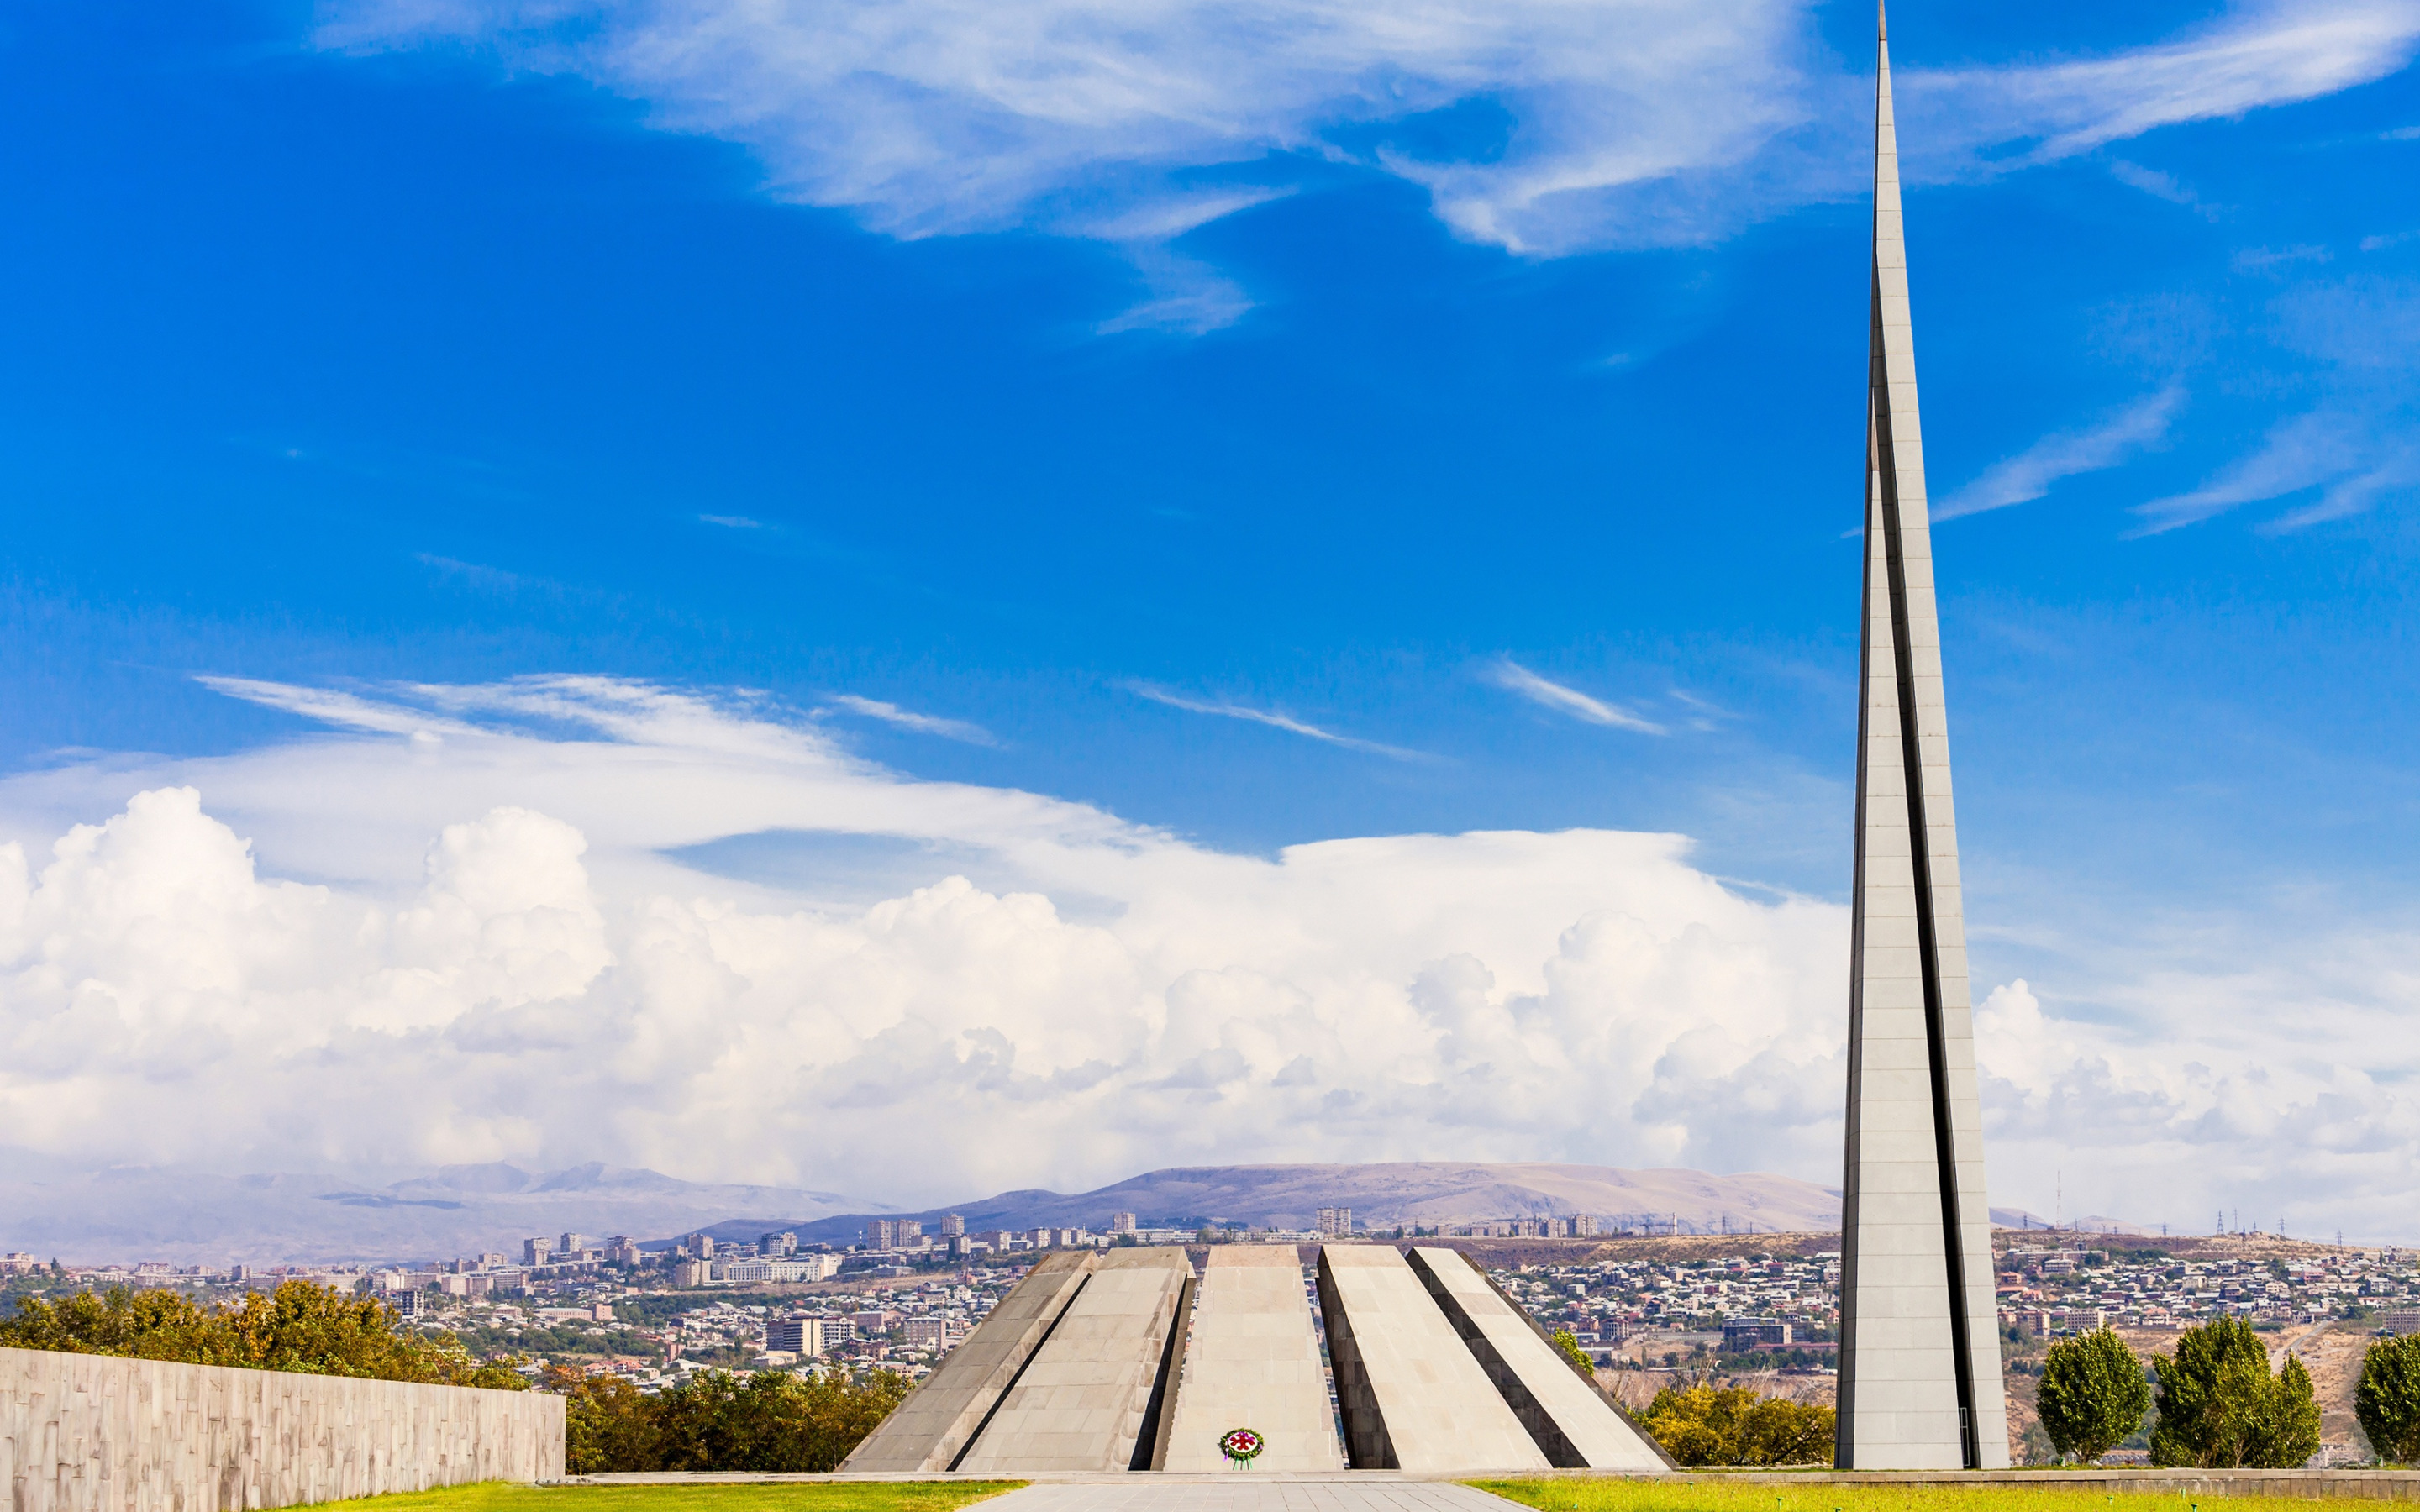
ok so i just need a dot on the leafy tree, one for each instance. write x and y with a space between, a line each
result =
2092 1394
608 1424
144 1325
2387 1401
771 1421
1705 1424
301 1327
1567 1344
2221 1409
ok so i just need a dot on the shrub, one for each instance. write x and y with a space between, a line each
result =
1733 1426
2221 1409
301 1327
2387 1401
771 1421
1567 1344
2092 1394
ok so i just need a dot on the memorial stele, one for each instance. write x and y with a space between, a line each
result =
1126 1361
1920 1387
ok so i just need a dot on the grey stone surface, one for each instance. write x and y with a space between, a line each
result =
1412 1395
2368 1485
1247 1493
91 1433
1571 1421
939 1417
1080 1402
1252 1361
1916 1224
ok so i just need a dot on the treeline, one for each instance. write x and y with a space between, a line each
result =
2220 1406
301 1326
1706 1424
772 1421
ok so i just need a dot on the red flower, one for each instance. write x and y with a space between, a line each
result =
1241 1444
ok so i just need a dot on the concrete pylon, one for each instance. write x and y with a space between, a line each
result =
1920 1384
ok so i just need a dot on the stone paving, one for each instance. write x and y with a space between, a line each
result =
1245 1491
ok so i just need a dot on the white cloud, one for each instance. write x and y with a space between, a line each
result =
1627 123
2259 55
512 969
2360 444
2298 454
923 724
1182 295
1507 673
495 957
2031 472
2160 186
2277 1082
1271 718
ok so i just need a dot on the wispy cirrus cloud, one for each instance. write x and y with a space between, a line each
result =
2259 55
922 725
2033 472
1623 124
2160 185
1271 718
2303 453
333 706
1511 675
2359 445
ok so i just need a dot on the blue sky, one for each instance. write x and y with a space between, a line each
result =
1240 437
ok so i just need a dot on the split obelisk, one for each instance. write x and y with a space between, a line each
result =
1919 1345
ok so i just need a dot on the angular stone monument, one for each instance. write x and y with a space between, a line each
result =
1412 1395
1920 1384
940 1418
1104 1362
1252 1361
1572 1422
1091 1396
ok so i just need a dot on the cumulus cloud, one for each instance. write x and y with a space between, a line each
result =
1535 125
532 978
2197 1100
527 942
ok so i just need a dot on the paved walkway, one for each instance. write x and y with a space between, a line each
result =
1247 1493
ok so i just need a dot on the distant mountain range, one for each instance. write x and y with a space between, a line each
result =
186 1218
1386 1195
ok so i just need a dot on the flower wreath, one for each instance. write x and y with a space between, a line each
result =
1241 1445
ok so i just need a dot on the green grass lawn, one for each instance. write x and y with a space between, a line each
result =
503 1496
1709 1494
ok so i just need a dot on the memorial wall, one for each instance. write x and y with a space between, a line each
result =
97 1433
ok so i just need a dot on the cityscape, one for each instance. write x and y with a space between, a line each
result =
1650 1309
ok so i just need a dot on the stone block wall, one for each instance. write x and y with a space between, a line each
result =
94 1433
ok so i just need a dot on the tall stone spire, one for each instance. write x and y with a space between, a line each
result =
1920 1383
